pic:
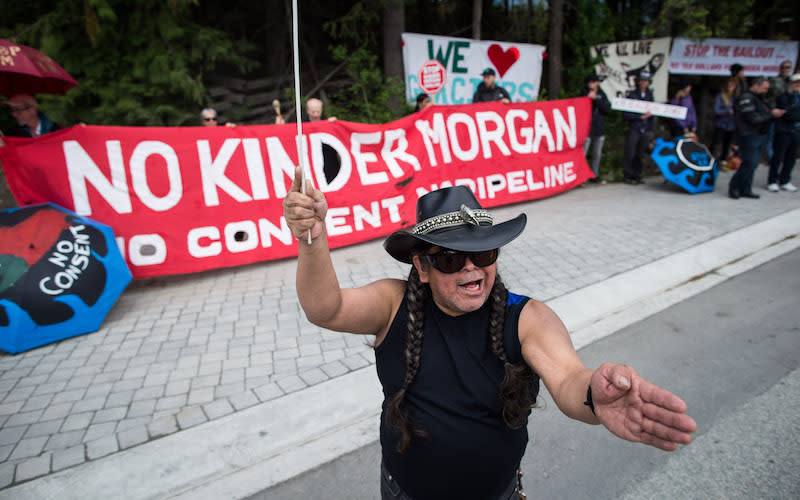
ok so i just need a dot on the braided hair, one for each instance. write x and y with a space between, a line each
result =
520 385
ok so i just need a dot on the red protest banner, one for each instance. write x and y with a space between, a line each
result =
188 199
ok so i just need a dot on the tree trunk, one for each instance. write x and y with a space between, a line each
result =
477 14
394 23
554 48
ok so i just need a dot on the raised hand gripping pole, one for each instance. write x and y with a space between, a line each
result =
301 156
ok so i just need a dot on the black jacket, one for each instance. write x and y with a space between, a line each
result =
790 121
635 120
752 115
600 108
484 94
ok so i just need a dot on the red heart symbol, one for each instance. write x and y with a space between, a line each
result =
502 59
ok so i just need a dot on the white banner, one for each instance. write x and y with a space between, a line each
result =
654 108
623 61
714 56
449 69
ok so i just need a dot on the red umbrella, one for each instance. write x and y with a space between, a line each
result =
24 70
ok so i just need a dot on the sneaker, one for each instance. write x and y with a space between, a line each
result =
773 187
789 187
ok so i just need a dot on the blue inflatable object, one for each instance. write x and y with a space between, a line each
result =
60 275
686 163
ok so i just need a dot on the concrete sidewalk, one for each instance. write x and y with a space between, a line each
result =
214 385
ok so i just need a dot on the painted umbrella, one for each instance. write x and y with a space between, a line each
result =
60 275
24 70
687 163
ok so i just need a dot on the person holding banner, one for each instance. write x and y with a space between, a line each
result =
489 91
423 101
211 118
640 131
314 110
460 357
752 117
597 131
31 122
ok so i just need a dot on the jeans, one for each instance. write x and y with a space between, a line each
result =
596 145
390 490
768 144
721 136
783 157
636 143
750 147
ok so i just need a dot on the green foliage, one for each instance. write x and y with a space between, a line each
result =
686 18
367 97
731 18
360 25
586 25
137 63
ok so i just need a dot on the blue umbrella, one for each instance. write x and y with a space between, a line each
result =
686 163
60 274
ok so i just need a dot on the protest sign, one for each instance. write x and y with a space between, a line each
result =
449 69
622 62
714 56
186 199
654 108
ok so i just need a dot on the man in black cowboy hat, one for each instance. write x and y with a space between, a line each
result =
488 90
460 358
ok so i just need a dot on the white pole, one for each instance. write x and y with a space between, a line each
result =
300 143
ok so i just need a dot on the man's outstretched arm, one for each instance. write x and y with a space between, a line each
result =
367 309
625 403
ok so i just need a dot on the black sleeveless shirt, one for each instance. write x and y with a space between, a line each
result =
470 452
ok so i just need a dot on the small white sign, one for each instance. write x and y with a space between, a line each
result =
654 108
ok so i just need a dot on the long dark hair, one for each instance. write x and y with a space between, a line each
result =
519 388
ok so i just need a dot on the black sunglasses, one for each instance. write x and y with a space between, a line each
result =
206 119
450 261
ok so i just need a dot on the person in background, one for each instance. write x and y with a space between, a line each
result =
30 120
597 131
640 131
752 117
211 119
423 101
778 85
314 110
489 91
683 97
737 73
787 139
723 121
331 162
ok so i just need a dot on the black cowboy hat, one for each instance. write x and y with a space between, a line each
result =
452 218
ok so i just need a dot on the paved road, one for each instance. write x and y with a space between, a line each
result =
732 352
